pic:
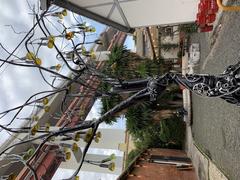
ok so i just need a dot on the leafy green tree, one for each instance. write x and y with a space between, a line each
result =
172 132
108 102
167 134
138 119
146 133
128 65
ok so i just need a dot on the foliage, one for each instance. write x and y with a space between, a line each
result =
188 28
149 138
148 134
169 133
172 132
120 64
138 118
108 102
117 54
126 65
142 70
149 68
117 61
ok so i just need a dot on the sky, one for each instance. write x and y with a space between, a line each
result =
18 83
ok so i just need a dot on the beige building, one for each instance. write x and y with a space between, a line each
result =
159 41
111 140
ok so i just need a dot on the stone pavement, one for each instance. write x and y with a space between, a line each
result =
205 168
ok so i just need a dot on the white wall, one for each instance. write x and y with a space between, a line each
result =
111 138
144 12
72 164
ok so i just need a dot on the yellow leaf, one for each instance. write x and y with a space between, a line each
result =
69 35
112 156
38 61
26 157
30 151
84 53
92 54
96 139
112 166
90 29
114 66
51 38
99 134
68 155
30 56
50 44
77 136
74 147
64 12
93 29
58 67
45 101
88 135
46 108
34 129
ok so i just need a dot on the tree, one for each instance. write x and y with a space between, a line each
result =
138 118
108 102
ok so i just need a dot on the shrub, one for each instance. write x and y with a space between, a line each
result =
138 118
